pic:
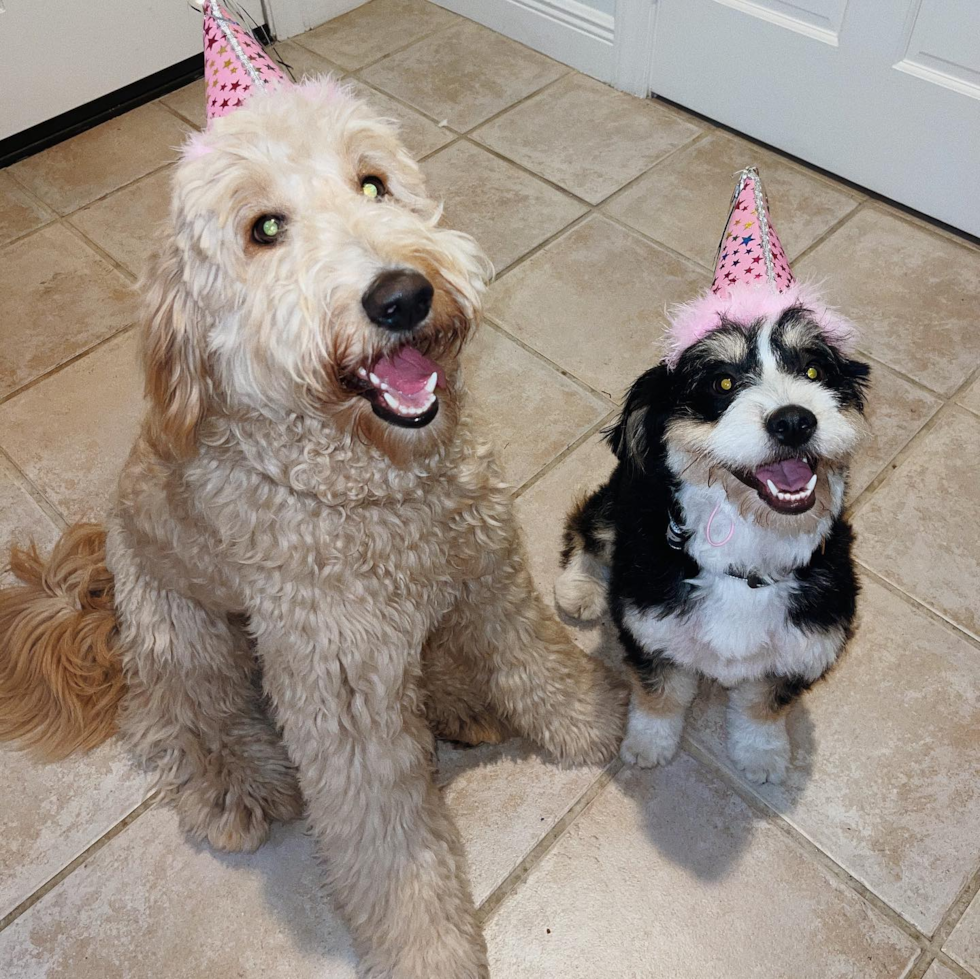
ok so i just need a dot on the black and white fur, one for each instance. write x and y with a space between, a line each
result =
767 614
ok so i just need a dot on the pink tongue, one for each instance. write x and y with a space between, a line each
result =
790 476
408 371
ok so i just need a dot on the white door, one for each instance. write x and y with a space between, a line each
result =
56 55
882 92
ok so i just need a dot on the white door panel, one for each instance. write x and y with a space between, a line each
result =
56 55
883 92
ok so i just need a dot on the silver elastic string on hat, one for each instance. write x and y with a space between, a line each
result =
229 34
760 207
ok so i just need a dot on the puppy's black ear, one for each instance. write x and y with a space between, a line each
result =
640 427
856 377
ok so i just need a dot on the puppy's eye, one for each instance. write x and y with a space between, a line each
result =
724 385
373 187
268 229
814 373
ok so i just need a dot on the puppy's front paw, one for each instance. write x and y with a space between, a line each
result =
651 740
760 750
579 591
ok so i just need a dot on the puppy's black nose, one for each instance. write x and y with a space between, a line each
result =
792 425
398 299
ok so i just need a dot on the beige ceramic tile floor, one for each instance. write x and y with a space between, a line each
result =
597 209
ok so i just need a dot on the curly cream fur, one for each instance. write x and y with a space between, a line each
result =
267 519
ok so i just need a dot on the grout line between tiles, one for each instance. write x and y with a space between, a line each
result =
58 368
70 868
389 54
944 958
937 617
859 206
656 243
541 245
802 842
100 251
920 966
455 141
32 490
520 873
564 454
947 408
178 115
956 910
607 399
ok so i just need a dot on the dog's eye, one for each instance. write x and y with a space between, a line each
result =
724 385
373 187
814 372
268 229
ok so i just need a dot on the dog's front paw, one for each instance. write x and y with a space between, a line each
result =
579 593
760 750
651 741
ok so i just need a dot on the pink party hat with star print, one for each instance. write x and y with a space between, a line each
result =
752 280
234 63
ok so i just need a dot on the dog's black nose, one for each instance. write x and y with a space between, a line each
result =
398 300
792 425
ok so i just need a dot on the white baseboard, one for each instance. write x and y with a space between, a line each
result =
566 30
291 17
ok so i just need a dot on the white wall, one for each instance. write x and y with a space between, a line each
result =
56 55
605 6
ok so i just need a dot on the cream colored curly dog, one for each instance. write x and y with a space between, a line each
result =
313 564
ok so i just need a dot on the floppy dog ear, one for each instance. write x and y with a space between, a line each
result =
640 427
174 365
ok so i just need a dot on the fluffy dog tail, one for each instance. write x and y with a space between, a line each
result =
60 670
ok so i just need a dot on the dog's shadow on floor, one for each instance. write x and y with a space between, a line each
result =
699 812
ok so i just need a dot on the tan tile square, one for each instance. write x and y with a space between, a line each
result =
970 398
683 201
72 432
593 302
963 945
921 529
60 297
420 135
374 30
588 137
19 212
668 874
504 800
303 62
127 224
52 812
508 388
507 210
896 410
189 101
150 898
913 294
99 161
885 756
21 521
464 74
150 904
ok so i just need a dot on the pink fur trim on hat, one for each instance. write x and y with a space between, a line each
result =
745 304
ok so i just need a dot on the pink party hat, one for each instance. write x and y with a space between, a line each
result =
234 62
752 280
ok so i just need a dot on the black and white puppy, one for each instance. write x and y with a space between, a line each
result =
720 541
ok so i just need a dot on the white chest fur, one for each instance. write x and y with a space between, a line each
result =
733 632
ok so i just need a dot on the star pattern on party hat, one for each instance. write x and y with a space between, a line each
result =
234 62
750 251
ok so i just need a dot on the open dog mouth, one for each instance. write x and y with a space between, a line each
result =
788 486
401 387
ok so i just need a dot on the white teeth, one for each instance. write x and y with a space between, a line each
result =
772 487
362 372
392 402
811 484
430 384
374 379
